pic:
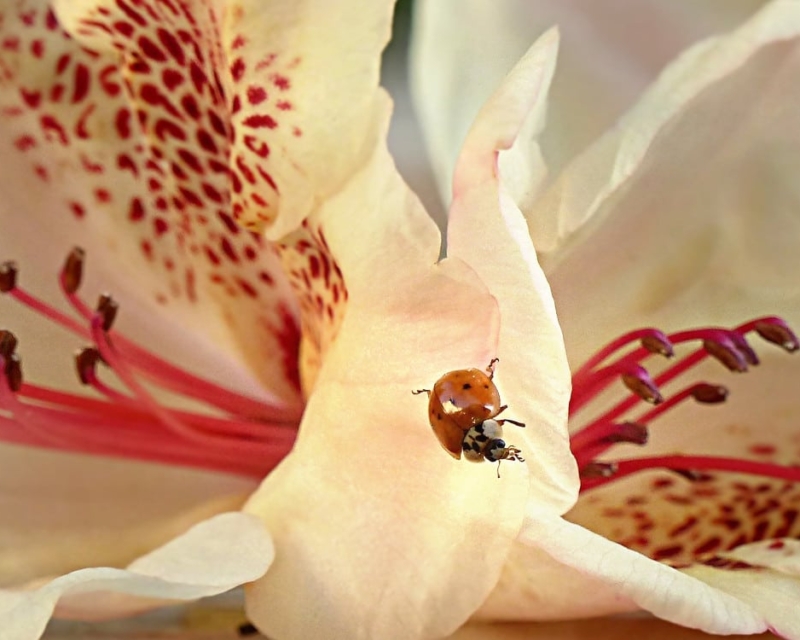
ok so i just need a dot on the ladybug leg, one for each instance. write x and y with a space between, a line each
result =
490 368
510 421
418 391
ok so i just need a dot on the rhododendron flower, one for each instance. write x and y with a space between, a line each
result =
223 168
680 214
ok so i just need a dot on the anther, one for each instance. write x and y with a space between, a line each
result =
598 470
639 382
13 372
629 432
693 476
709 393
86 361
107 309
778 332
658 344
8 276
72 271
8 344
727 354
743 347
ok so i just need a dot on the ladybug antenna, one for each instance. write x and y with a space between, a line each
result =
490 368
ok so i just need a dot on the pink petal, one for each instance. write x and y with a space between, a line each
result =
130 154
396 545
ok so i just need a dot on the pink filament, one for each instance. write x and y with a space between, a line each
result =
602 433
248 438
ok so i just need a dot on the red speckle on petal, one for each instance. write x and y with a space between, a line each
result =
81 83
256 94
77 209
281 81
31 98
260 121
25 142
160 227
238 68
136 211
172 78
256 145
37 48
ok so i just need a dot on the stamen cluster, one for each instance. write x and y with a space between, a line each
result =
128 418
601 433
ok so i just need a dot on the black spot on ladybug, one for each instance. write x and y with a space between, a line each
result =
482 438
465 446
438 416
466 385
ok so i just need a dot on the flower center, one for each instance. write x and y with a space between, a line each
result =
127 418
688 507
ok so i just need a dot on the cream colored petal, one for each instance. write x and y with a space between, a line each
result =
486 230
665 592
63 512
305 77
611 52
773 594
402 541
148 199
691 200
593 629
212 557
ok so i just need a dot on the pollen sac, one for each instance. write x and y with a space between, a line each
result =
8 276
710 393
13 372
658 343
630 432
86 361
778 332
72 271
598 470
727 354
107 308
639 382
8 343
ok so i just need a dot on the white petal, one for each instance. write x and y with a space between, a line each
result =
404 541
611 52
319 64
211 558
63 512
665 592
486 230
772 594
692 200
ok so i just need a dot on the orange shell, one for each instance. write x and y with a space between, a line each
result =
459 401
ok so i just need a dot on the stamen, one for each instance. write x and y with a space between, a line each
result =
613 427
692 465
251 439
72 271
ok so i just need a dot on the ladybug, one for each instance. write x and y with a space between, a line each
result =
461 409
